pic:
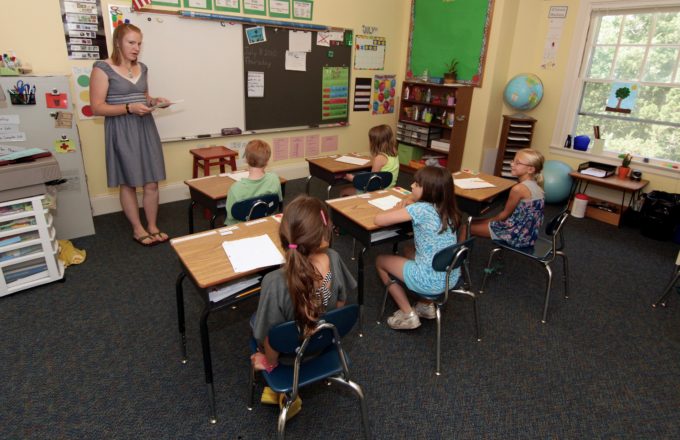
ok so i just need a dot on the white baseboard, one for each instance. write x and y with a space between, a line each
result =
173 192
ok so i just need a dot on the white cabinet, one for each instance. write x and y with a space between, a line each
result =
28 245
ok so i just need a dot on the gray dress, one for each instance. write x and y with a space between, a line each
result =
134 154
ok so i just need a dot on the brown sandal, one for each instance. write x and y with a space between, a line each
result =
142 240
160 237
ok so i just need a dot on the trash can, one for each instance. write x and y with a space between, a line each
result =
578 208
660 214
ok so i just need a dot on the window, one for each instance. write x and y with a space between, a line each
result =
630 82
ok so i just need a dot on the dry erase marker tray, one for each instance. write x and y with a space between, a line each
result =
608 169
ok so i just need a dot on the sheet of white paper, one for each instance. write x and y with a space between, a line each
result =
12 137
167 104
7 149
299 41
473 183
238 176
381 235
9 119
255 84
595 172
353 160
219 293
385 203
296 61
252 253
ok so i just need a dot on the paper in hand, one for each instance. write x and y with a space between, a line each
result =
165 104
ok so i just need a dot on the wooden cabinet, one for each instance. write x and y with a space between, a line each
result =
28 246
435 112
517 133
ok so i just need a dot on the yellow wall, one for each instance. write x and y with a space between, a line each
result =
515 46
43 45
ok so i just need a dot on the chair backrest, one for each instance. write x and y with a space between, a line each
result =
255 207
554 228
453 256
286 337
372 181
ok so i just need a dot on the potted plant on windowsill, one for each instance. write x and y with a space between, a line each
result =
624 169
451 72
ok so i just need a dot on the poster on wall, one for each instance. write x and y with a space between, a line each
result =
335 93
383 94
362 94
369 52
81 86
84 29
118 15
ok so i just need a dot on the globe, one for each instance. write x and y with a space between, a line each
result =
523 91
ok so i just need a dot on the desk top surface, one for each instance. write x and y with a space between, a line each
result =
612 182
216 187
330 164
357 208
483 194
204 258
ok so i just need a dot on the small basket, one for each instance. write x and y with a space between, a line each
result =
608 169
21 98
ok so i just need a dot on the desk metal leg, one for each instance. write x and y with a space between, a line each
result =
360 290
669 288
191 217
207 362
179 292
307 184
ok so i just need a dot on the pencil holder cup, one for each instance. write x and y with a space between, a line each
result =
21 98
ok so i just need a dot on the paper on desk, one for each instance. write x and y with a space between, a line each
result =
252 253
238 175
385 203
217 294
473 183
353 160
595 172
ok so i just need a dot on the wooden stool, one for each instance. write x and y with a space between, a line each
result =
211 156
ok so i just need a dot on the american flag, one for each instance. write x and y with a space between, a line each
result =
139 4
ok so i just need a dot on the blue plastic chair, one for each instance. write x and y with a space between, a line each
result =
447 260
544 251
329 362
255 207
370 181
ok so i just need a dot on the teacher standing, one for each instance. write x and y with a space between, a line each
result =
134 154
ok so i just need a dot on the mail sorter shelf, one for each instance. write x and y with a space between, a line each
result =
28 246
517 133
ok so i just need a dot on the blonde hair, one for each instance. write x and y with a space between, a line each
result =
382 141
534 159
257 153
118 34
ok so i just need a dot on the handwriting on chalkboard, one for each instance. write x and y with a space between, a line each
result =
260 56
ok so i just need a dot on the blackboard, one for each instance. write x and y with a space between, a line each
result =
292 98
442 31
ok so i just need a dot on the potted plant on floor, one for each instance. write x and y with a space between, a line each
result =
451 72
624 169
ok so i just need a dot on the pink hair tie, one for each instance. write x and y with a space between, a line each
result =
292 246
323 218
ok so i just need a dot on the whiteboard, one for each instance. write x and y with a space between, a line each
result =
200 62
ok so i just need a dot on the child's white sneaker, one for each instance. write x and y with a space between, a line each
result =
425 310
403 321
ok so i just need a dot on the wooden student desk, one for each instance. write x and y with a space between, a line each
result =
580 185
355 215
211 193
333 172
476 202
204 260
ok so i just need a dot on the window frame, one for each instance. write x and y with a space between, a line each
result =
578 64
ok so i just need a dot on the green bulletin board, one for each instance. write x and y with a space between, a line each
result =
443 30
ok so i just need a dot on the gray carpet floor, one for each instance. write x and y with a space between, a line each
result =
97 356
